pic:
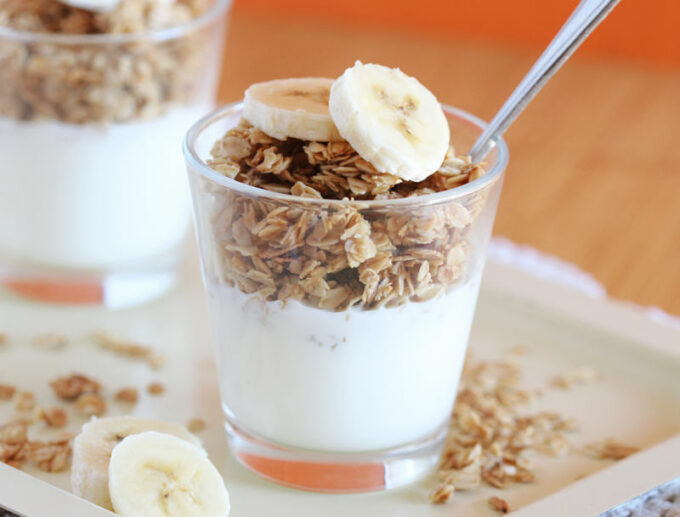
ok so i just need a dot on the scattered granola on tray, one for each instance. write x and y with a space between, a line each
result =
90 404
73 386
127 348
25 401
492 435
81 397
7 391
196 425
51 340
53 416
155 388
16 448
610 449
127 395
577 376
498 504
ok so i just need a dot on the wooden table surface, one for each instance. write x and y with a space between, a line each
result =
594 173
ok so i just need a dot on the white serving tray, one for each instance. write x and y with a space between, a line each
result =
637 402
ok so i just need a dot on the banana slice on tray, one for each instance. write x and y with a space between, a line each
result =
391 120
292 108
158 475
93 5
93 446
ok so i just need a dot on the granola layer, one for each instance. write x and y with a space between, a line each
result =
334 256
79 84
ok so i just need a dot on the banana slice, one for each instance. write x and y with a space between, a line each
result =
92 451
391 120
158 475
93 5
295 108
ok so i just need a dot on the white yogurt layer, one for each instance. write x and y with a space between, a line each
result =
93 196
341 381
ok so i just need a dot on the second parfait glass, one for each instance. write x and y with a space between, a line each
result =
93 195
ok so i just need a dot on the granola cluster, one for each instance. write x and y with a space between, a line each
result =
493 437
115 82
74 386
329 255
78 394
85 395
16 448
610 449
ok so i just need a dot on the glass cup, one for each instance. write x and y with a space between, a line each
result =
341 326
94 201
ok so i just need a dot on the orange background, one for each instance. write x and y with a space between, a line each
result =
594 174
646 30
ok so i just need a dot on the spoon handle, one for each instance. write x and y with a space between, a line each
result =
587 15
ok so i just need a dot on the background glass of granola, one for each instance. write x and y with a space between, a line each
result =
341 325
93 106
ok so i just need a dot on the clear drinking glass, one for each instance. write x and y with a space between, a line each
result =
317 393
93 195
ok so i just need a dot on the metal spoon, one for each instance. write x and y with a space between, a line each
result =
587 15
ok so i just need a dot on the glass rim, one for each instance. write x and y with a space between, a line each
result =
195 162
218 8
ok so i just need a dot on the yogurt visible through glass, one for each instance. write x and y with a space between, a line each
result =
341 381
93 196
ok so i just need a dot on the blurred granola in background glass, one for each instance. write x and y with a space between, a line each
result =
105 96
80 83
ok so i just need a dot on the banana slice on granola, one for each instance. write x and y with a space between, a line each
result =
292 108
391 120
